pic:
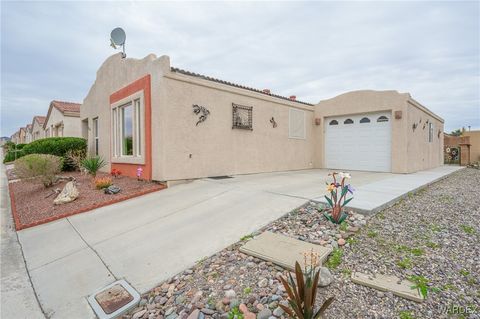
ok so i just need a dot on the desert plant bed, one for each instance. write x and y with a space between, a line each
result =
431 237
32 206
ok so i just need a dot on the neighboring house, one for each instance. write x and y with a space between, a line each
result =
177 125
22 135
37 127
474 137
4 139
463 149
15 137
28 137
63 119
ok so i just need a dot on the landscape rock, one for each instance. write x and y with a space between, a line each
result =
112 189
264 314
68 194
325 277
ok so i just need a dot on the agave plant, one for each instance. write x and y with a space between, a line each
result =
302 291
93 164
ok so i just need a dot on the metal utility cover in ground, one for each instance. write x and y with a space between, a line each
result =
282 250
114 300
388 283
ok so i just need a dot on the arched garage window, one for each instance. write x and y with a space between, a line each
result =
348 121
382 119
333 122
365 120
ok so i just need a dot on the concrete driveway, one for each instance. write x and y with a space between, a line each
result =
148 239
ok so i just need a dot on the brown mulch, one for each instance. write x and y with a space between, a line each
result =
31 206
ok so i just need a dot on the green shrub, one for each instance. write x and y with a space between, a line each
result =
58 146
8 144
93 164
39 166
10 155
20 146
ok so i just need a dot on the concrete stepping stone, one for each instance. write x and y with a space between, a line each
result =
388 283
282 250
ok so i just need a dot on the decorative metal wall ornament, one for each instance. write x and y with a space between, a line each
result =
274 124
452 155
414 126
242 117
198 109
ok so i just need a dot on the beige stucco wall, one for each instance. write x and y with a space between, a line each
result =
360 102
423 154
213 148
410 151
182 150
114 74
37 131
474 145
71 124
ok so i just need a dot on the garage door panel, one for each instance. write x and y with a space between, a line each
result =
359 146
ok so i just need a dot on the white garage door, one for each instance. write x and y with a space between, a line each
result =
359 142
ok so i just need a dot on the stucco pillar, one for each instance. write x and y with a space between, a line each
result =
464 154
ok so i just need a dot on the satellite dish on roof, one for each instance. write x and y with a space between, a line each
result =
117 38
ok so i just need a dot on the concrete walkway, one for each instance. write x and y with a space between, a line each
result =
17 296
148 239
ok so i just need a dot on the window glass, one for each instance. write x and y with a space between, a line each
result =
333 122
138 128
365 120
127 129
348 121
95 134
382 119
430 132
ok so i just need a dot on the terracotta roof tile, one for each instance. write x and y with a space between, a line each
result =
40 119
67 106
208 78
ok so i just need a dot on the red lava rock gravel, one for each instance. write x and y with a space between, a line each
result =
30 207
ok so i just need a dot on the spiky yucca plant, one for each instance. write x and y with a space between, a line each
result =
302 291
93 164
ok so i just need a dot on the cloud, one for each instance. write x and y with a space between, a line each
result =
315 50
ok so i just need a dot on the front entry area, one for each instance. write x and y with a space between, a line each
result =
359 142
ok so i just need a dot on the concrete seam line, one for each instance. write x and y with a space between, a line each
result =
286 195
96 253
59 258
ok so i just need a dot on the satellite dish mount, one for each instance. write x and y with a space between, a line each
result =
117 39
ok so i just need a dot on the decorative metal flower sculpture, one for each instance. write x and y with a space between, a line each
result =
198 109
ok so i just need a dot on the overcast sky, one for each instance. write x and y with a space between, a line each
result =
315 50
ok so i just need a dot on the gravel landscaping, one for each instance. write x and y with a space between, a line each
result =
32 206
433 233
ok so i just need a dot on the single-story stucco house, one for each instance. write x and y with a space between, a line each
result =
63 119
28 137
14 137
178 125
37 127
22 135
